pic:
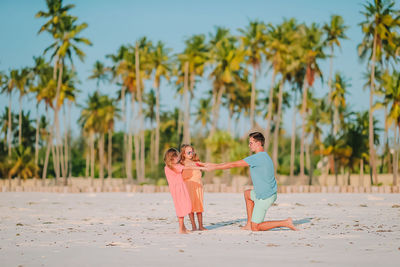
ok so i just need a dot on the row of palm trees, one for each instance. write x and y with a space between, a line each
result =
293 52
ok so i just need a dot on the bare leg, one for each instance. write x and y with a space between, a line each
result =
191 216
182 228
249 209
265 226
200 219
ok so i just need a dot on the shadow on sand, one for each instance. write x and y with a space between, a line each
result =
226 223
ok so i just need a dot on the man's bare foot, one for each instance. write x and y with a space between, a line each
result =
291 225
202 228
194 229
246 227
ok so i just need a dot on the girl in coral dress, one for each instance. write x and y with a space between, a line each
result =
194 184
173 172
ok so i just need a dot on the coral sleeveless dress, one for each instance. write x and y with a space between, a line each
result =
178 190
194 184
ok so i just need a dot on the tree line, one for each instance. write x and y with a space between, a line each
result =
332 139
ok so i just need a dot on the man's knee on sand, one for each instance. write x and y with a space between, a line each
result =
255 227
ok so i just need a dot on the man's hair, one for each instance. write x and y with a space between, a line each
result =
258 137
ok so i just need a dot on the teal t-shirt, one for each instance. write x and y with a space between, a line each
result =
262 174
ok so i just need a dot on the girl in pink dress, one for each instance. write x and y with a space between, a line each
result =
173 172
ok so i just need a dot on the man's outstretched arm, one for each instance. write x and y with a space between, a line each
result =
228 165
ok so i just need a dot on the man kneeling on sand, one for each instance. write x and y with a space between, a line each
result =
264 193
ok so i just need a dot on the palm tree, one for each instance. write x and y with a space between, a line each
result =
143 70
90 124
281 42
237 96
150 114
391 85
22 80
335 32
99 73
119 71
38 70
253 40
7 86
288 65
192 62
311 51
65 33
161 61
106 114
317 117
380 20
337 98
45 90
225 59
23 165
202 114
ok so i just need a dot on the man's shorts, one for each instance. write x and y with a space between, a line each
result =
260 207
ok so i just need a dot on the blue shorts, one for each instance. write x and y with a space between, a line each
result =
260 206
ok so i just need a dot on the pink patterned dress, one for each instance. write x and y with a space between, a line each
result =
178 190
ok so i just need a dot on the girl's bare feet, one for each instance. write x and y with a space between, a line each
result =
184 231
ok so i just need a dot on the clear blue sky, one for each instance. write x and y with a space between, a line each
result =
113 23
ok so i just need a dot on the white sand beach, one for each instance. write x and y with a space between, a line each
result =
128 229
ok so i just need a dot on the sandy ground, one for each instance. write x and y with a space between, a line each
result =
126 229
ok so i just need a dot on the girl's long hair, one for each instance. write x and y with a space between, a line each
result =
183 155
169 156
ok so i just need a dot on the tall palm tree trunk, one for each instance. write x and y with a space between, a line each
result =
59 146
157 133
217 96
20 122
87 169
57 171
395 156
308 157
384 146
9 126
125 141
66 154
303 126
334 127
101 158
92 157
361 172
293 137
253 98
49 144
152 150
186 128
373 174
269 114
37 137
140 114
277 126
129 149
46 160
137 155
216 109
179 124
109 150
